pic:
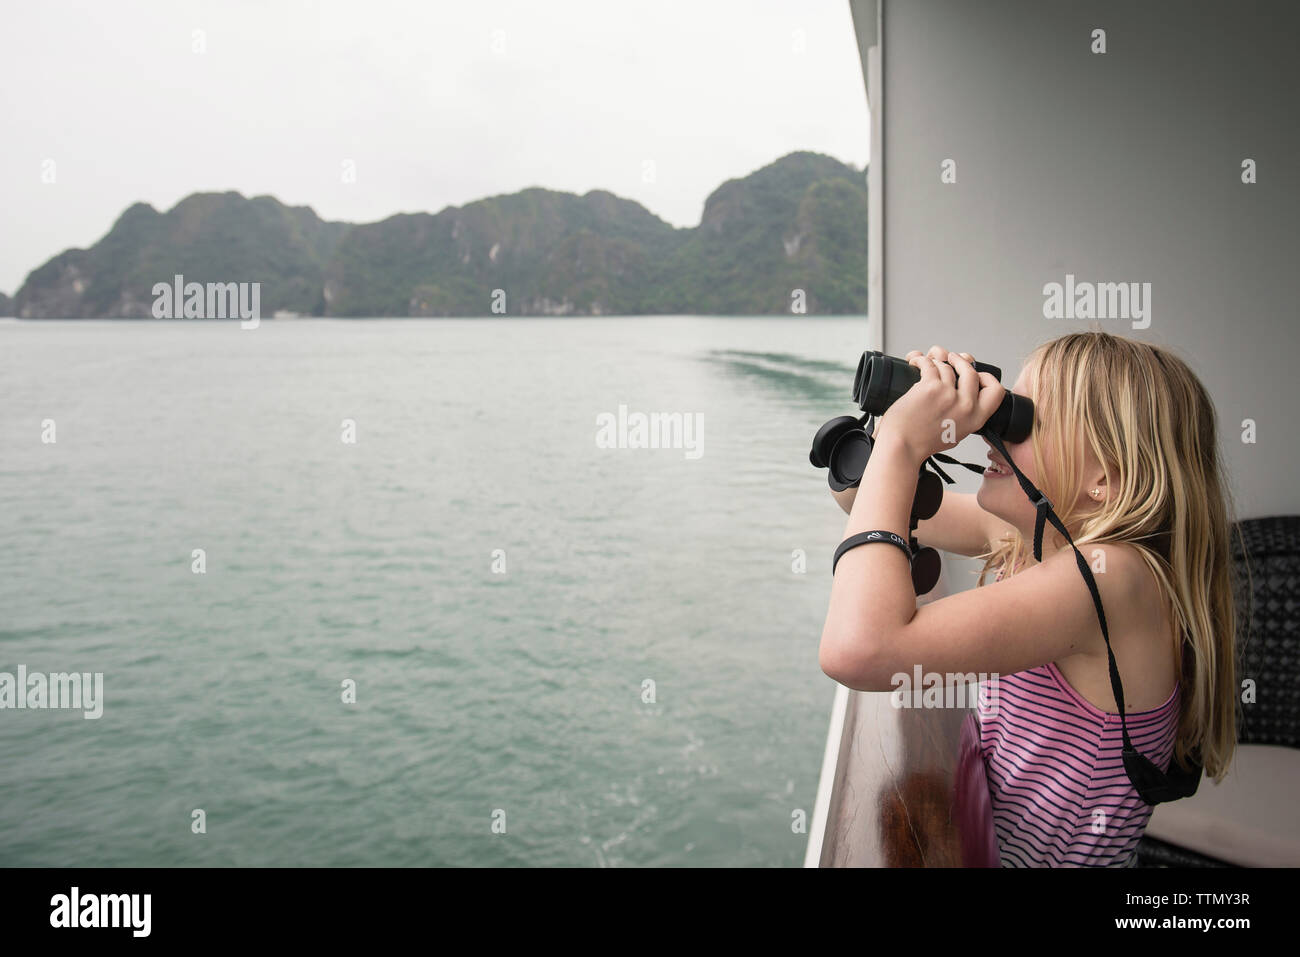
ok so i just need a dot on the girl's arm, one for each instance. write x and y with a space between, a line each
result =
960 526
874 631
873 628
871 593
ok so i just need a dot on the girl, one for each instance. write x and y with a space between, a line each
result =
1125 446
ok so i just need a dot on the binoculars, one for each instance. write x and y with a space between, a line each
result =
843 445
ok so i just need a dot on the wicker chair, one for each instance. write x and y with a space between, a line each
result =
1250 823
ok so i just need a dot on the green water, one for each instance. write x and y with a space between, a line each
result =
481 696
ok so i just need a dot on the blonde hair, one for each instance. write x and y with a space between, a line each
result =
1150 422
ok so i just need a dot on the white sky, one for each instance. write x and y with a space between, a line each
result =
437 103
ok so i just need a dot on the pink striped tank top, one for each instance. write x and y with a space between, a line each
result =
1057 785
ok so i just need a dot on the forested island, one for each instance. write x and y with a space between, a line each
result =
799 223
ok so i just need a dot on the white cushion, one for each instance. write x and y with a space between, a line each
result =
1249 819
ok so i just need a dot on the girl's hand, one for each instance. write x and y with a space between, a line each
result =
950 402
935 352
938 352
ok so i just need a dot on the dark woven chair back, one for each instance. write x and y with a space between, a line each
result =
1268 609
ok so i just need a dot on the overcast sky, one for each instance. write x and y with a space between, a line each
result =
434 103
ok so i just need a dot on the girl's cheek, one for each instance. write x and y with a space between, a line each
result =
1025 460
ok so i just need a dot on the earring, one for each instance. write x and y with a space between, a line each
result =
1096 492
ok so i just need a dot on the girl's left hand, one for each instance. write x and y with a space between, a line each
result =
950 402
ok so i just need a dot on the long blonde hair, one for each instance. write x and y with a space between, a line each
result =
1150 422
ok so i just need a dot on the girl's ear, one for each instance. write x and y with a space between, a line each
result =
1099 488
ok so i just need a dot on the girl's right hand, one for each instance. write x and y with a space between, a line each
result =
939 354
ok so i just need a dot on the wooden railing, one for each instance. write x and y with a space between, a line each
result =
907 787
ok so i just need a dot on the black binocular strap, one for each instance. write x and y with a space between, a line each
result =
1045 512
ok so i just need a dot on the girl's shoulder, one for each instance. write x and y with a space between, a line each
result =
1126 562
1139 622
1120 560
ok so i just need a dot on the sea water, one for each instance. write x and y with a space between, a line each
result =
371 592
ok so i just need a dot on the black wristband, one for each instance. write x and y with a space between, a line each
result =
863 538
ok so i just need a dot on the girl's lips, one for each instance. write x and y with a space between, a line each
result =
997 470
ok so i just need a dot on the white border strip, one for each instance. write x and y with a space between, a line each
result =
826 783
875 340
876 193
